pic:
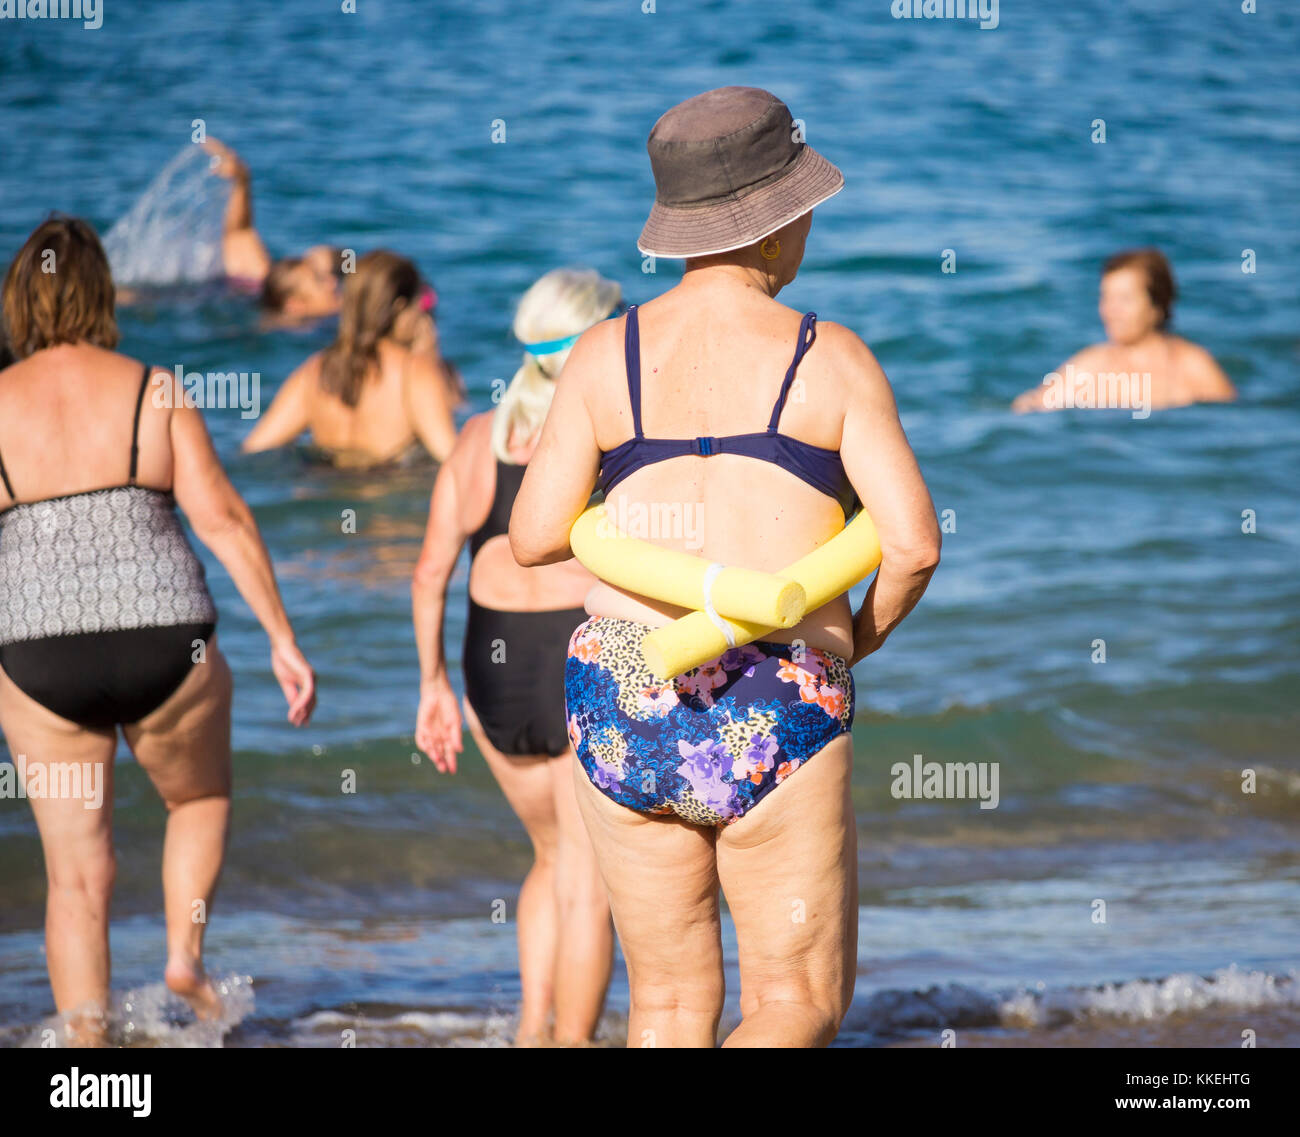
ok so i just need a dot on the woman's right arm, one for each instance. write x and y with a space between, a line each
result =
287 416
437 721
222 520
885 474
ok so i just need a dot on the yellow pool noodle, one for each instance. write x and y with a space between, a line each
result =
825 573
675 577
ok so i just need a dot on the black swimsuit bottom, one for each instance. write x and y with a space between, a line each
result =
514 676
100 679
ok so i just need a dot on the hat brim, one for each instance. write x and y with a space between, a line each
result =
720 227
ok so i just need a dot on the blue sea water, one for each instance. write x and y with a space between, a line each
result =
1120 780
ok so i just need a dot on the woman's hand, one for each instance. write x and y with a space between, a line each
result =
225 162
438 723
296 678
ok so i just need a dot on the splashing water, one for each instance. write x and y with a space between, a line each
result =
172 234
152 1016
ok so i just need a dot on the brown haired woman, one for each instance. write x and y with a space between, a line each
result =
107 620
1141 364
366 398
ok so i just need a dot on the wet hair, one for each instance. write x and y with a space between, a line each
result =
1158 275
564 301
59 289
277 288
370 307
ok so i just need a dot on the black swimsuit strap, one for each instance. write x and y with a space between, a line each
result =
807 333
135 426
5 478
632 355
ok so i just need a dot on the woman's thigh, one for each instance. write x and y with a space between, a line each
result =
68 772
788 869
526 782
184 745
663 893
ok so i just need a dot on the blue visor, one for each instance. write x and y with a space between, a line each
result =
550 347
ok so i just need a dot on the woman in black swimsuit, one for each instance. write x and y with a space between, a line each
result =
515 638
107 620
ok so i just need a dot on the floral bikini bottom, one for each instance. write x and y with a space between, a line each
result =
710 744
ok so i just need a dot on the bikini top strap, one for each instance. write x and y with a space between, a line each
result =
135 426
4 477
632 355
807 333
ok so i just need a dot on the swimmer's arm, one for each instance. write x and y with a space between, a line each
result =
884 471
222 520
242 252
562 471
1209 383
1035 399
285 419
430 405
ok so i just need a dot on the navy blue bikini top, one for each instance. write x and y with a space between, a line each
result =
820 468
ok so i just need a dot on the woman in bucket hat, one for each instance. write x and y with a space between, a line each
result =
712 427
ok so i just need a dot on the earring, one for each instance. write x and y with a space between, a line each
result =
776 252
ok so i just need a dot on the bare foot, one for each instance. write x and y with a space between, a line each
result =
185 977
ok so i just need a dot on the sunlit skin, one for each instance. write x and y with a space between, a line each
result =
1181 372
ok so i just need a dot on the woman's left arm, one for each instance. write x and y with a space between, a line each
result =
562 471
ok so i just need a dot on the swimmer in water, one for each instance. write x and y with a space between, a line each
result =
514 702
367 399
107 621
1142 364
298 288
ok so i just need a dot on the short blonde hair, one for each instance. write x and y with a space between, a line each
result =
563 302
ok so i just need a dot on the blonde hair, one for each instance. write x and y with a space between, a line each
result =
370 307
564 301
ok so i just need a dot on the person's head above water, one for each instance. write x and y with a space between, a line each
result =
304 287
379 299
734 184
59 289
550 317
1137 295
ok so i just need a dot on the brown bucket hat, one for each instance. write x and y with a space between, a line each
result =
728 171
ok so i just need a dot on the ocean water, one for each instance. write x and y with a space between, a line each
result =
1120 781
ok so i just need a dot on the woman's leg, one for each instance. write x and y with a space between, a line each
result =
526 782
789 871
75 765
663 891
184 747
584 954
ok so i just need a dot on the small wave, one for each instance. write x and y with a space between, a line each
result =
894 1013
152 1016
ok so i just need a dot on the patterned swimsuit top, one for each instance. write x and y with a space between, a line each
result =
98 560
821 468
